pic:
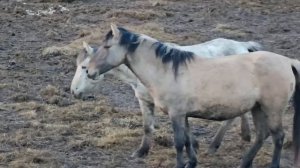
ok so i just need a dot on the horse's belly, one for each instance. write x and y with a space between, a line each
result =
219 112
223 109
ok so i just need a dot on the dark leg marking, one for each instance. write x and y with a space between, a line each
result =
261 135
278 137
189 145
178 124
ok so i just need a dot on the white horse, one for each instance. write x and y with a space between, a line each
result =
184 85
215 48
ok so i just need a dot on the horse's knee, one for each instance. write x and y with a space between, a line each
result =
278 137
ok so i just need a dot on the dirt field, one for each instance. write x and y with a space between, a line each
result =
42 125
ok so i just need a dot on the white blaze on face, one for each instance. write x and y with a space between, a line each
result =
81 83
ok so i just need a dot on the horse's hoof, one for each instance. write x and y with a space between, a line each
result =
139 154
249 165
179 166
190 165
213 149
246 137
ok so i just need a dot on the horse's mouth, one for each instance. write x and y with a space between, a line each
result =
84 98
88 98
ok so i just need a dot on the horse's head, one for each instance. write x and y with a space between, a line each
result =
81 83
117 44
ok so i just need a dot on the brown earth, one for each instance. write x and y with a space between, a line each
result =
42 125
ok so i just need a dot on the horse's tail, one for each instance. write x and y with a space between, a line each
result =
296 124
253 46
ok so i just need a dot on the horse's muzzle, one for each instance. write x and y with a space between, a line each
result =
77 96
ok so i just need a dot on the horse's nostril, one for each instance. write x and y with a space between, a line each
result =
87 71
77 96
91 76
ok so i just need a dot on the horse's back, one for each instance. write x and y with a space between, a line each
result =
218 48
251 76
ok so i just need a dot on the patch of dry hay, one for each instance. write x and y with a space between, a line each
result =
230 30
137 14
95 35
117 136
32 158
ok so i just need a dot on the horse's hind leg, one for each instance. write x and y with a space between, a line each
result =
214 146
193 139
245 128
245 133
148 123
278 137
276 130
261 134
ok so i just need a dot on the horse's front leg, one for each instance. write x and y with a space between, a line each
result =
147 108
182 138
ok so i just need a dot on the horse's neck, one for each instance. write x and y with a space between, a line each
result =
124 74
149 69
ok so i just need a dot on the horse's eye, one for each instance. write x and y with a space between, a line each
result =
107 47
83 67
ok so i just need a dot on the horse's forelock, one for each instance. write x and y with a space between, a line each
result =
127 39
82 55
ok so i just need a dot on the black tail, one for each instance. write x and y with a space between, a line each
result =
296 126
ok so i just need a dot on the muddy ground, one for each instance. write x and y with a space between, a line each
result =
42 125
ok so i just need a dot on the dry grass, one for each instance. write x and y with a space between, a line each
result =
4 85
49 91
161 157
30 158
53 1
230 30
94 35
52 133
101 128
117 136
137 14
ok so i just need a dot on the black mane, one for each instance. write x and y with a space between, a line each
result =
169 54
166 53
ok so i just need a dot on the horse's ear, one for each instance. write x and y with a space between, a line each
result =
88 48
115 30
